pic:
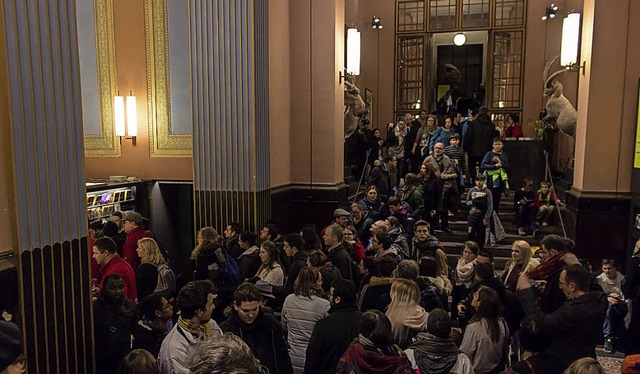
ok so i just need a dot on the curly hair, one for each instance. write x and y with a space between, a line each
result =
224 355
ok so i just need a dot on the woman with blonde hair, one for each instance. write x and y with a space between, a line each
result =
407 317
301 311
585 365
147 272
521 261
270 271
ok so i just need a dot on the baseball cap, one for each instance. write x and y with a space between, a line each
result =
134 217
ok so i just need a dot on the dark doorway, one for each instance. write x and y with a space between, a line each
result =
468 59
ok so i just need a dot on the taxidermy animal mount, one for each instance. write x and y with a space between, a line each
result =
560 113
354 108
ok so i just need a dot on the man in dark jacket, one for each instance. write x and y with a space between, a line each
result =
332 335
425 244
231 237
293 245
259 330
479 139
114 318
337 254
574 329
630 289
384 177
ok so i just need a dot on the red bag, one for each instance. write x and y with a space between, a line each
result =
630 365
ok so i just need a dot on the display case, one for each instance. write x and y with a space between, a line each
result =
105 198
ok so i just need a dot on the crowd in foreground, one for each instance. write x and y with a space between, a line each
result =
298 303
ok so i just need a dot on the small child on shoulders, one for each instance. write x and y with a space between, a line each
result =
544 202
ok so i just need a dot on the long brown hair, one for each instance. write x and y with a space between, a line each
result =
209 235
305 284
489 309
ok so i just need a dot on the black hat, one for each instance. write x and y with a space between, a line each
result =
439 323
10 345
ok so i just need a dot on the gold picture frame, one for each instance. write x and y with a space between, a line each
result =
105 144
162 142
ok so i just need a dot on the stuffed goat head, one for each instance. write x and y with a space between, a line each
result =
560 113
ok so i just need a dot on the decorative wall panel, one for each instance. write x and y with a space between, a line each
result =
230 75
98 76
42 148
167 61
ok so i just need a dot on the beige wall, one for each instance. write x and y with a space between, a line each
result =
378 79
132 75
279 92
608 97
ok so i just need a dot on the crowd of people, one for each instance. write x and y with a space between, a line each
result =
322 301
373 291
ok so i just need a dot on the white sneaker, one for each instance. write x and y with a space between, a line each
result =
545 224
521 231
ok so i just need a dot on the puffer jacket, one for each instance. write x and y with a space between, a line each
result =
299 316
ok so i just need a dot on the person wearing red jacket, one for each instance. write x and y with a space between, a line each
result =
135 231
110 262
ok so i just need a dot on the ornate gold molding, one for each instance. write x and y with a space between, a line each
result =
162 142
106 144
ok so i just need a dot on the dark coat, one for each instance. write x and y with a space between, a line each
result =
298 262
248 264
479 139
372 294
147 338
146 279
330 339
575 328
384 179
630 289
376 210
266 338
363 227
233 246
340 258
113 327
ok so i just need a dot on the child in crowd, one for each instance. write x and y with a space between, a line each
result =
495 164
457 154
523 207
544 202
464 276
480 199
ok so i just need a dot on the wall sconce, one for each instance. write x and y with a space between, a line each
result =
550 12
459 39
571 43
131 126
353 54
375 23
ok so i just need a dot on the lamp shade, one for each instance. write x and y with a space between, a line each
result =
570 39
459 39
118 110
132 116
353 51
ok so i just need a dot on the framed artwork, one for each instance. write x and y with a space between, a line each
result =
368 102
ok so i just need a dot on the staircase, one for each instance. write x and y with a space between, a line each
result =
454 242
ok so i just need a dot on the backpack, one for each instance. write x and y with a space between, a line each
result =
224 273
166 285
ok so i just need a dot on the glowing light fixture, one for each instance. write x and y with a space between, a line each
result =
570 40
126 117
353 51
118 109
550 12
459 39
375 23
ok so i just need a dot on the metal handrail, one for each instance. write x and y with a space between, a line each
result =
364 171
548 177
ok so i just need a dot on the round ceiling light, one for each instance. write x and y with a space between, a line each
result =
459 39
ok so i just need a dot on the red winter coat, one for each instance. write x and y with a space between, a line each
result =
130 245
119 266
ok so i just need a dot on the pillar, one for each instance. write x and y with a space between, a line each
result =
43 183
230 102
317 38
599 201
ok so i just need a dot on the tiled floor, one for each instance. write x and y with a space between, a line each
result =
610 362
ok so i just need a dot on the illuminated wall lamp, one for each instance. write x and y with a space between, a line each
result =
126 129
571 43
353 55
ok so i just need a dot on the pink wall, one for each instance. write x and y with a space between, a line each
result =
132 75
279 92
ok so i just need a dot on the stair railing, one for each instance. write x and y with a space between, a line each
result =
364 171
549 177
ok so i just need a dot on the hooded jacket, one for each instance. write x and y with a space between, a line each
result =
433 355
265 337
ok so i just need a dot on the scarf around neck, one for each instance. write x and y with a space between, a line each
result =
194 329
